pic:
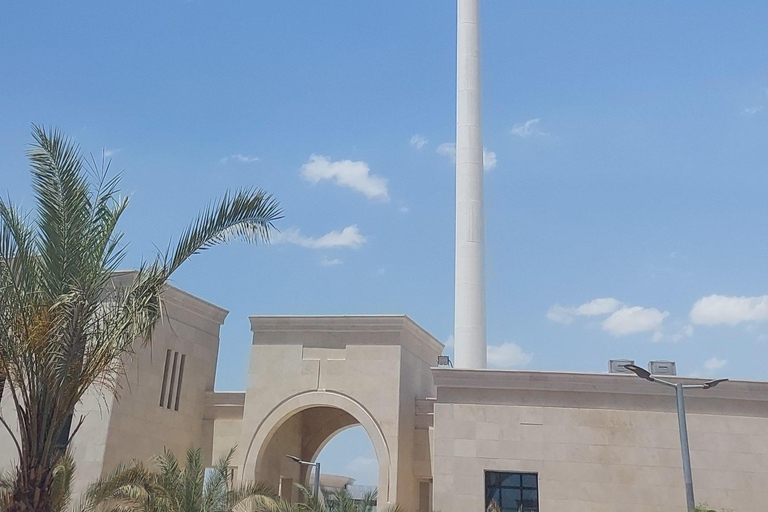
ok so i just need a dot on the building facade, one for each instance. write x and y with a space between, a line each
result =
446 439
161 400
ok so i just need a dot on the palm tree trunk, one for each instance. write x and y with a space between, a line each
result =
63 439
33 489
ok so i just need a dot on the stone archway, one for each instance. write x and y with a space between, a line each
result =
310 377
301 426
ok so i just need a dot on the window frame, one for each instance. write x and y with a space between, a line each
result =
491 489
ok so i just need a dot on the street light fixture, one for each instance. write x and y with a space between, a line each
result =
316 489
679 388
713 383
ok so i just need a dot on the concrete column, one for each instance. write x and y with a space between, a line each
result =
469 328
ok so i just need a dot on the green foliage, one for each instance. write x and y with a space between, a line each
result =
334 501
67 317
173 488
61 492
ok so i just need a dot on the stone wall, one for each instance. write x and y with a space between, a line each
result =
599 443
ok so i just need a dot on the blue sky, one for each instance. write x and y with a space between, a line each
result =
628 144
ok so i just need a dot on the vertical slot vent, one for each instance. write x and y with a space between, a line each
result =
173 380
165 377
178 385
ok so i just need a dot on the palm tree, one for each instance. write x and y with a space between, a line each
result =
135 488
65 322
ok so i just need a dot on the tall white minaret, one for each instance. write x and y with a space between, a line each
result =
469 326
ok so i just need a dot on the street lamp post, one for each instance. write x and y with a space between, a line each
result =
316 489
682 424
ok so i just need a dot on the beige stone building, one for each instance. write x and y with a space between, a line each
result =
163 399
445 439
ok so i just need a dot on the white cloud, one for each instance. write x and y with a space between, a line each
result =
361 463
349 237
560 314
724 310
418 141
448 149
685 332
111 152
489 160
327 262
623 319
508 355
714 363
404 209
752 110
346 173
530 128
601 306
243 159
635 319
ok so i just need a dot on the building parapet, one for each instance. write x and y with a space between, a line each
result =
337 331
599 391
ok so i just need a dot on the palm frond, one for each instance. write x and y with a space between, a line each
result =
172 488
61 190
245 214
319 504
395 508
193 481
7 481
63 476
369 501
286 506
251 497
127 486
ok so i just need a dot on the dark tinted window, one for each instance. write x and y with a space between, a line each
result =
511 492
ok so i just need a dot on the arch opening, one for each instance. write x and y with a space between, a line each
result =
348 463
305 433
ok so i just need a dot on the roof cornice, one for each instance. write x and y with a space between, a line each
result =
185 300
405 331
592 383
